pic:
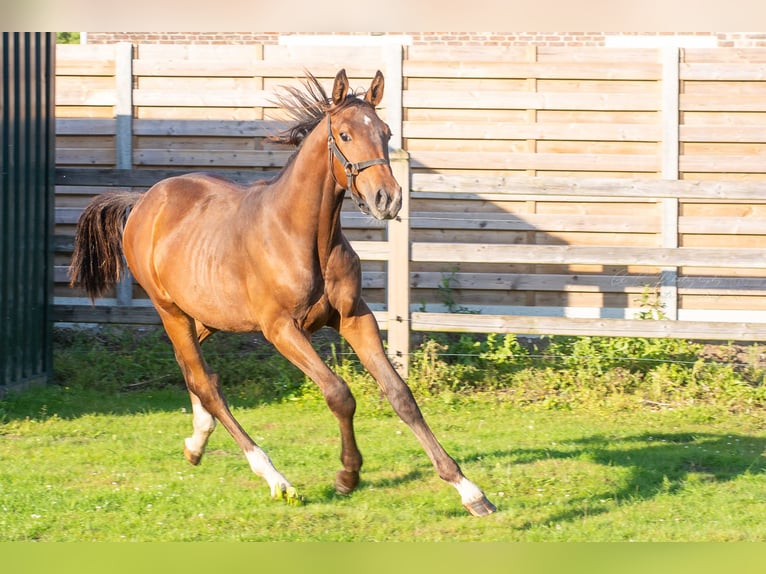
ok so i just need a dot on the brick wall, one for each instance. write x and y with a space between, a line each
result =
724 40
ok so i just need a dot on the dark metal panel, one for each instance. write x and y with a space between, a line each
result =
26 207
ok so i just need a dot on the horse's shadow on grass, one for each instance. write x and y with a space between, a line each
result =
656 463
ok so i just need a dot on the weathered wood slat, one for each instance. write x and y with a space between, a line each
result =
722 225
207 98
372 250
198 128
529 100
505 69
143 177
723 71
537 131
721 103
730 134
599 187
85 156
242 66
452 322
217 158
574 283
574 255
85 126
723 163
533 222
104 312
535 161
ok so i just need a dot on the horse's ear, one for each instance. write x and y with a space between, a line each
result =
340 88
375 94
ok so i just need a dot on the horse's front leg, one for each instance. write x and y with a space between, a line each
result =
295 345
361 331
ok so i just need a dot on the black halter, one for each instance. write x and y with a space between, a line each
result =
351 169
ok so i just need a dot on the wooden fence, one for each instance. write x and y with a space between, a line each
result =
549 190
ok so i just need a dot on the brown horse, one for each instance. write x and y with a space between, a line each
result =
271 257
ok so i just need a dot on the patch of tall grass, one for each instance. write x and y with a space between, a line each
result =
555 372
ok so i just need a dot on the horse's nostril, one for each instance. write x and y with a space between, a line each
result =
381 199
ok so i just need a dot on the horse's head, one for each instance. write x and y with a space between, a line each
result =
358 143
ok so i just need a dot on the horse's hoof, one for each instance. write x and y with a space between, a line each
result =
289 495
480 507
346 481
193 458
292 497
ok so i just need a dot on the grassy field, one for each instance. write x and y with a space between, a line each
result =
86 461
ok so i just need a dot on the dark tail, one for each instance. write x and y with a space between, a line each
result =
97 262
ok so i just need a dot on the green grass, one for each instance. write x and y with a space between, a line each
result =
98 457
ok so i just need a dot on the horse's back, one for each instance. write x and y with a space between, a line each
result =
191 194
183 230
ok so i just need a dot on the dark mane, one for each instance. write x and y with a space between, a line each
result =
306 107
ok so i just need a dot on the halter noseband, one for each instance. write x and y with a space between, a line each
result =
352 169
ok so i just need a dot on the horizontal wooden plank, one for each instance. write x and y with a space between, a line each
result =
533 222
568 54
452 322
227 128
537 70
598 255
144 177
200 158
724 55
464 282
723 163
723 71
85 126
536 161
206 98
372 250
89 97
536 131
596 187
240 64
86 156
722 103
715 133
529 100
722 225
85 59
589 283
105 313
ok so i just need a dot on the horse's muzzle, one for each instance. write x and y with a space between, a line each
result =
387 204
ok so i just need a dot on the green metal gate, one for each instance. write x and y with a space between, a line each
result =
27 161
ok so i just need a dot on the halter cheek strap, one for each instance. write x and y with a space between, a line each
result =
352 169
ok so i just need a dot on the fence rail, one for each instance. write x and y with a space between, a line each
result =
547 190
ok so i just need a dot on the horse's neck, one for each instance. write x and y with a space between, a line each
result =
308 196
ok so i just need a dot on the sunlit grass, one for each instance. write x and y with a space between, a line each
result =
695 474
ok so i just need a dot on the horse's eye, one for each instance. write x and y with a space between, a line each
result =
345 137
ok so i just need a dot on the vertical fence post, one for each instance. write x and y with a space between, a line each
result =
398 275
398 269
670 169
123 110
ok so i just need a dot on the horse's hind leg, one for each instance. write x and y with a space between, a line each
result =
203 422
204 384
204 425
